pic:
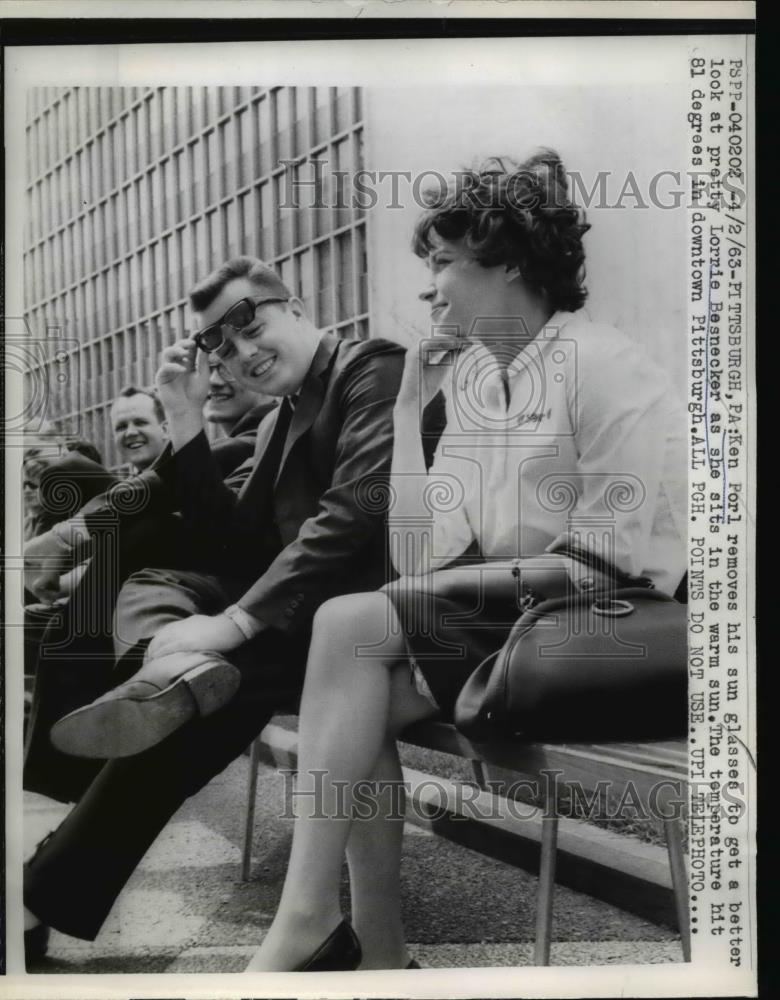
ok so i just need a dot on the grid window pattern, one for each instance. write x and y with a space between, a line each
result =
134 194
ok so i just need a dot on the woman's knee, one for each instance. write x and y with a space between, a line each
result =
357 620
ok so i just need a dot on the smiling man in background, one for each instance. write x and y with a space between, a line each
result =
234 411
229 403
139 427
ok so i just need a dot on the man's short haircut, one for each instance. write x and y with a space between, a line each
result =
252 268
518 214
133 390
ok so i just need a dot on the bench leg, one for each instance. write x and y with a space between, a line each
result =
478 770
249 819
544 899
679 882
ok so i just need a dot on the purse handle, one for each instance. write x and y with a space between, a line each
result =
608 569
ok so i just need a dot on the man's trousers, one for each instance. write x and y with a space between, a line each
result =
74 878
70 652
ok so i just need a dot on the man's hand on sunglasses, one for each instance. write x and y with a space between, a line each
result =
183 378
183 385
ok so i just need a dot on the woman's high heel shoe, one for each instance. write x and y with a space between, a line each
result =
339 952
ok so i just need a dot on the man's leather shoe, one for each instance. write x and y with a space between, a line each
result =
165 694
36 943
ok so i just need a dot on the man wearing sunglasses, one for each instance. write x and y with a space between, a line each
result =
212 653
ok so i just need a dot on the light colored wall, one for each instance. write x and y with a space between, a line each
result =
636 256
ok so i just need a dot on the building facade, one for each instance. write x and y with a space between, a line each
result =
133 195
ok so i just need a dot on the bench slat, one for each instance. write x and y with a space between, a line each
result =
587 763
666 757
667 754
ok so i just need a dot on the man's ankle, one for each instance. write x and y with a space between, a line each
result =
30 920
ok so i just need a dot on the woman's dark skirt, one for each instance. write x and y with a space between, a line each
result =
454 618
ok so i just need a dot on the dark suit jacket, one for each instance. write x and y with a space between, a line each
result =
66 485
239 445
308 523
147 493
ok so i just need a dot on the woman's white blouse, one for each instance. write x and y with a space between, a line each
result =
584 443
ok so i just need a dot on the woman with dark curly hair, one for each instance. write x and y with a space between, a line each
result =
562 438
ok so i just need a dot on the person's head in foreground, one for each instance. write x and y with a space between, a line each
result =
139 427
503 243
249 320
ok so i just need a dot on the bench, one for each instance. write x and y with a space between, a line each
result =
654 771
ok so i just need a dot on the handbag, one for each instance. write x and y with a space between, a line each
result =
602 664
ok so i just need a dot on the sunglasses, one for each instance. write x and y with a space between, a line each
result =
238 317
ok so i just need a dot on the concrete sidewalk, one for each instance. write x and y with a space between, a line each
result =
186 909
